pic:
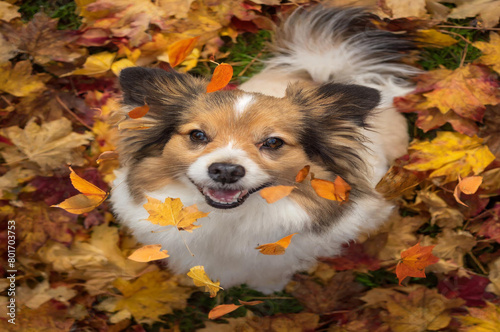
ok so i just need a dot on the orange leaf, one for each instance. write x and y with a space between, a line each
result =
468 186
179 50
335 191
148 253
276 248
222 309
414 260
250 302
301 176
139 112
90 198
274 194
107 155
221 77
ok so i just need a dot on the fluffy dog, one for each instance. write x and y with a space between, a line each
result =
324 100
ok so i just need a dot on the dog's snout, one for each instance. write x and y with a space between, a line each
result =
226 173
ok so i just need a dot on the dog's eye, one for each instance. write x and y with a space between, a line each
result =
273 143
198 136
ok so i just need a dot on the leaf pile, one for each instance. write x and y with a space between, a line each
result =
78 271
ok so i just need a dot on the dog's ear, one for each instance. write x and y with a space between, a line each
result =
336 102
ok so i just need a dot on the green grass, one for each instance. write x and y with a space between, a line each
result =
64 10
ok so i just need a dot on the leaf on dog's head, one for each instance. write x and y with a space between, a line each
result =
414 261
178 51
335 191
139 112
224 309
221 77
302 174
148 253
276 248
468 186
91 196
274 194
172 212
201 279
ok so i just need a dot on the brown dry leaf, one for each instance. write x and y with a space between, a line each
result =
42 292
178 51
8 11
148 253
468 186
50 317
335 191
172 212
107 155
276 248
407 8
275 193
201 279
18 80
139 112
302 174
221 77
396 182
491 51
50 146
488 10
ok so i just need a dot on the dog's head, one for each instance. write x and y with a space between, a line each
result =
230 144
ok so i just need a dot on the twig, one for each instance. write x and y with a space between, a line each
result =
478 263
456 35
249 64
464 54
467 28
66 108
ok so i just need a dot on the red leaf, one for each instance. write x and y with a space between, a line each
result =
414 260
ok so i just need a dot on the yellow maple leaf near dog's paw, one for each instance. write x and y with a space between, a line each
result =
276 248
201 279
149 253
172 212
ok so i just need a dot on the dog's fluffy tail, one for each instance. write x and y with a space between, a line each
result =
341 45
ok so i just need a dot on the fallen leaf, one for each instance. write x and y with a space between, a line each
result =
91 196
276 248
488 10
201 279
107 155
468 186
407 8
220 78
275 193
481 319
302 174
121 64
413 262
172 212
8 11
491 51
434 38
148 253
139 112
397 181
335 191
18 80
178 51
224 309
95 64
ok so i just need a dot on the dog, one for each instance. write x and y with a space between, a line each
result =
324 99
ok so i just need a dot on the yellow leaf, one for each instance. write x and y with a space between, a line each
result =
491 51
335 191
121 64
179 50
18 81
148 253
450 154
95 64
276 248
481 319
172 212
274 194
201 279
435 38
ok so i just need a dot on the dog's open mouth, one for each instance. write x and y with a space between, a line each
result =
221 198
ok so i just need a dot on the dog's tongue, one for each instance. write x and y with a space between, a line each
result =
224 195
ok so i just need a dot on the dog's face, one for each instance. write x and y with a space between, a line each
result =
230 144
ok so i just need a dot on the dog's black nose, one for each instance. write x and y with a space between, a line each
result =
226 173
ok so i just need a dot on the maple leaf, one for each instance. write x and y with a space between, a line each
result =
489 11
275 193
49 146
201 279
172 212
491 51
148 253
224 309
50 316
8 11
413 262
96 64
276 248
18 80
220 78
450 154
335 191
43 41
178 51
468 186
481 319
465 91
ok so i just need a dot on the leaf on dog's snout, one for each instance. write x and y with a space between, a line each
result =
91 196
201 279
221 77
224 309
468 186
179 50
276 248
414 261
302 174
335 191
148 253
139 112
274 194
172 212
